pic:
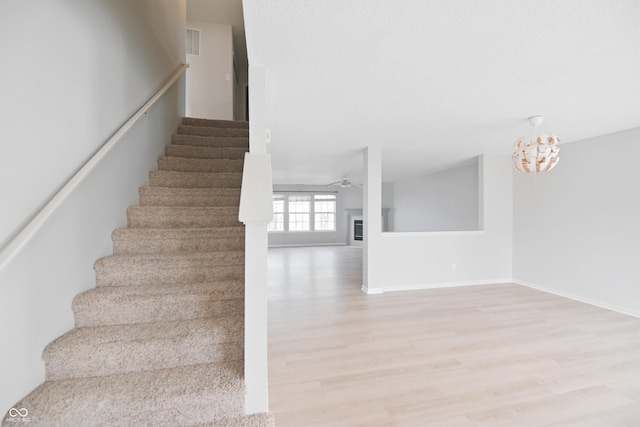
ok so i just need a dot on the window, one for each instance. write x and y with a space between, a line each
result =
299 213
277 224
303 212
324 209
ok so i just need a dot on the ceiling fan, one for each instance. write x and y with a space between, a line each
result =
344 183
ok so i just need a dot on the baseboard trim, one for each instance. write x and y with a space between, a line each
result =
304 245
423 286
371 291
578 298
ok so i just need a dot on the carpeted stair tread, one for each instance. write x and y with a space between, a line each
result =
210 141
212 131
117 349
237 124
174 179
184 164
255 420
182 216
189 197
160 340
167 397
190 151
168 240
142 269
110 305
168 196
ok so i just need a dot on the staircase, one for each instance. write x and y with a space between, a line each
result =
159 341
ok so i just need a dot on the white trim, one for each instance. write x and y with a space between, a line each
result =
578 298
432 233
298 231
26 234
424 286
371 291
303 245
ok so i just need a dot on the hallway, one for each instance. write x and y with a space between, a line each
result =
493 355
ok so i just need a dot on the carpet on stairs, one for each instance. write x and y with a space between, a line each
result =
160 340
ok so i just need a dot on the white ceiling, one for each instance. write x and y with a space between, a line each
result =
437 82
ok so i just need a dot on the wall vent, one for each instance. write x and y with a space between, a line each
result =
193 41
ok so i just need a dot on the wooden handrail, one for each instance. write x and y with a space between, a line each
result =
26 234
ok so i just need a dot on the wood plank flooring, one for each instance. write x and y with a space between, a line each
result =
494 355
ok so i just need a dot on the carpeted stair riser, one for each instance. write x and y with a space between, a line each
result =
189 197
235 124
188 217
173 179
167 397
210 141
183 164
145 269
110 350
159 341
213 131
255 420
152 303
190 151
169 240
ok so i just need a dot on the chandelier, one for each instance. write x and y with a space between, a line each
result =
537 154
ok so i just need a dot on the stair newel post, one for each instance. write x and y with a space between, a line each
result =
256 211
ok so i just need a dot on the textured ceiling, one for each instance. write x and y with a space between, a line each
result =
436 83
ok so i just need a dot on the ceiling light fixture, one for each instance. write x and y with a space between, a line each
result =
539 153
344 183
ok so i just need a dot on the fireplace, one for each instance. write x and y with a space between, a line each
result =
357 229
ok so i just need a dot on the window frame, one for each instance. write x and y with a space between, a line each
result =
285 195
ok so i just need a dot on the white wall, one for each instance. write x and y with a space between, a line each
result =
210 78
577 228
75 71
388 196
419 260
351 197
443 201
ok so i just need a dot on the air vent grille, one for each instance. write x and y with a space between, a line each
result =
193 41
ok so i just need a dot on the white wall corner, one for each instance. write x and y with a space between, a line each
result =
371 291
601 304
481 212
371 208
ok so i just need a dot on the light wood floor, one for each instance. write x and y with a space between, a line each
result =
495 355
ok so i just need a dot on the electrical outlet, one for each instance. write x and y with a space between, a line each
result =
453 266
